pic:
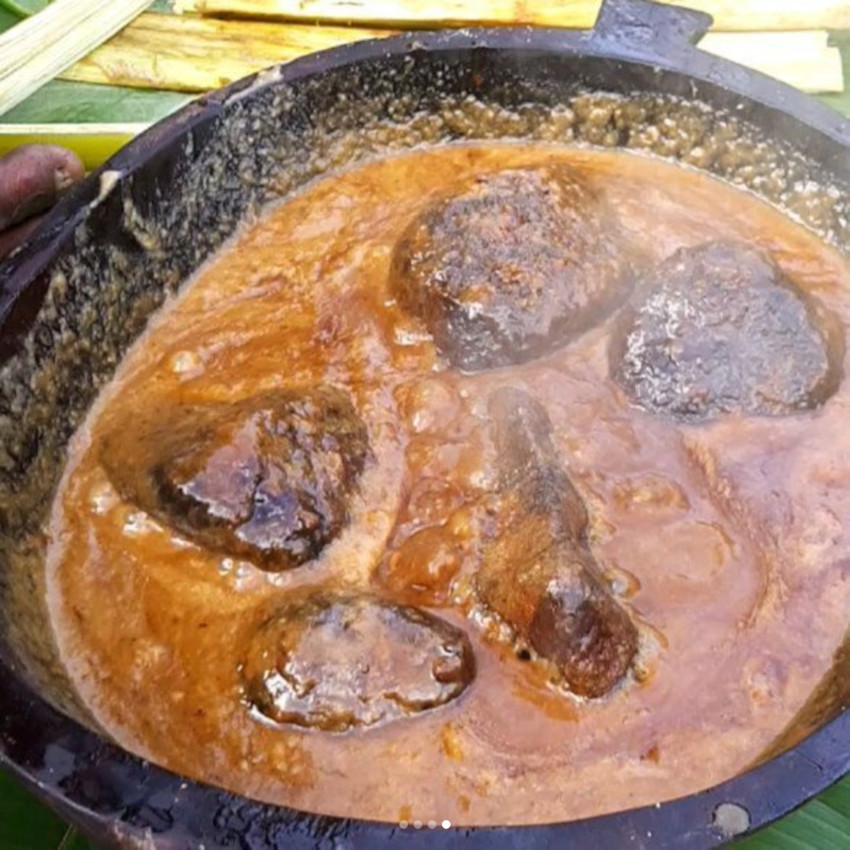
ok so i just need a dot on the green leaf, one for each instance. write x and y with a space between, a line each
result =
823 824
61 102
838 798
25 824
7 19
23 8
72 840
841 101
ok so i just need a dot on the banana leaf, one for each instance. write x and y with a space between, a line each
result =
62 102
22 8
67 102
93 121
823 824
26 825
85 112
841 102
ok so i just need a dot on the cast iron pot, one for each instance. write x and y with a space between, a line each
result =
75 297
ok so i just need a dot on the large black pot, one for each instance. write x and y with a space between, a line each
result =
79 292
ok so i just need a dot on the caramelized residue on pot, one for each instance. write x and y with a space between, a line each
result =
397 513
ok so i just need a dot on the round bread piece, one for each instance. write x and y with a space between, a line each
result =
336 662
269 478
515 265
719 329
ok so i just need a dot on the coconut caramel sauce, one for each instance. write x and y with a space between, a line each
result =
727 540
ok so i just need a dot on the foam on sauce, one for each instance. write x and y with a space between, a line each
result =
726 540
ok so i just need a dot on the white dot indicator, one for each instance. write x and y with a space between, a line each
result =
403 824
432 824
417 824
446 824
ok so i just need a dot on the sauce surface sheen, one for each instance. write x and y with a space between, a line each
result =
726 540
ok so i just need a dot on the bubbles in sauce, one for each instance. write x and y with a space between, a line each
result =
700 531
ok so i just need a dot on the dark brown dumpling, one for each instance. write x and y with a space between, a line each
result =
514 266
269 479
537 572
719 329
335 662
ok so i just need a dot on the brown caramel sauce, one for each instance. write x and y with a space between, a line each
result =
728 541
